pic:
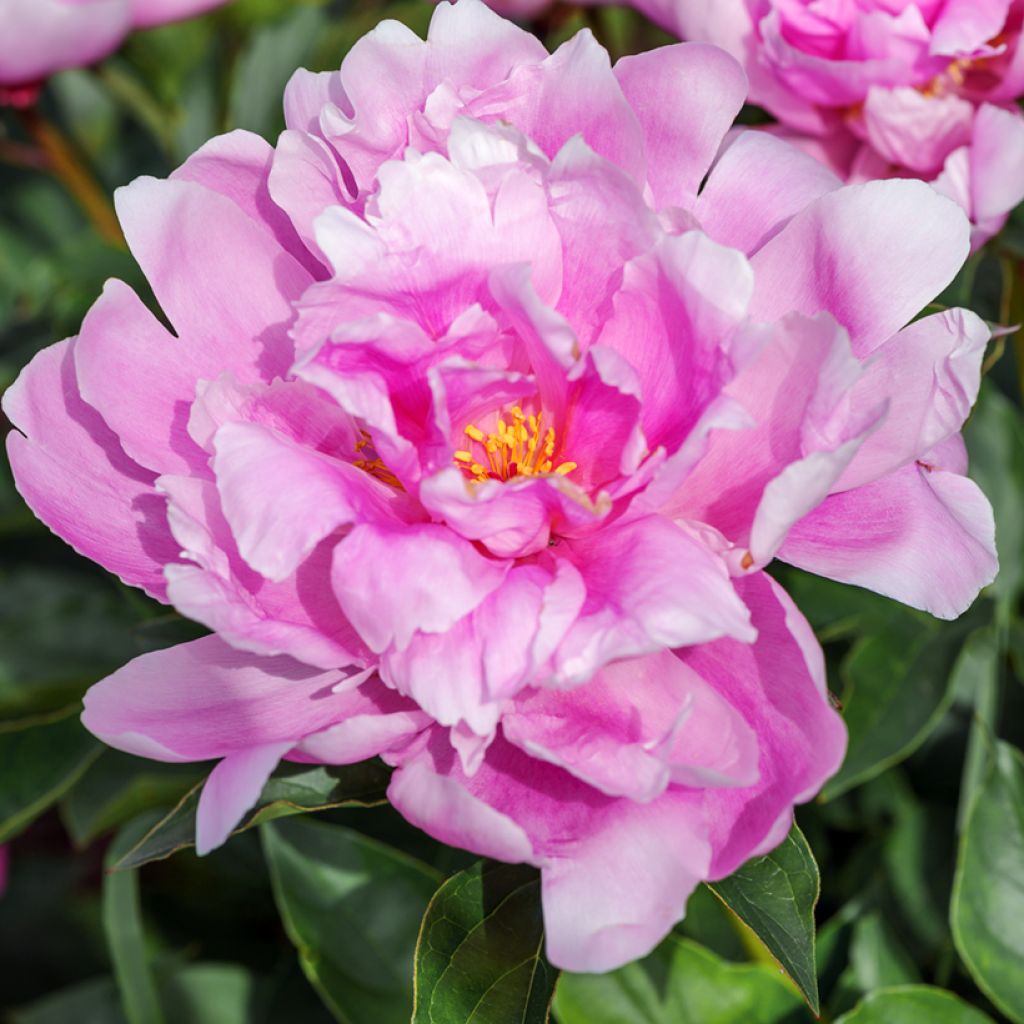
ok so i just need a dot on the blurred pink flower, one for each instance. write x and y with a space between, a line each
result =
39 37
479 423
922 88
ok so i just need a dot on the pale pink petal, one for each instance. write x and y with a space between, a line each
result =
842 253
39 37
758 184
238 166
965 26
685 98
159 12
929 374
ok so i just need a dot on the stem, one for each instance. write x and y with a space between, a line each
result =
65 164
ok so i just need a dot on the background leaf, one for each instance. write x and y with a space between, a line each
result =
38 763
480 955
679 983
914 1004
292 789
987 912
352 907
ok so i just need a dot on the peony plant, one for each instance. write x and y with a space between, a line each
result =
491 391
881 88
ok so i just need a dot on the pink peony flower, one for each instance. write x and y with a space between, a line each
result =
922 88
39 37
478 425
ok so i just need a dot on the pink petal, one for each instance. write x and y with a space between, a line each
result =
299 616
672 321
204 699
73 473
39 37
231 789
636 726
965 26
778 686
235 312
281 499
924 536
238 165
159 12
141 379
443 579
795 390
842 254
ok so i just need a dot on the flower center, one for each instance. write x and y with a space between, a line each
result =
520 448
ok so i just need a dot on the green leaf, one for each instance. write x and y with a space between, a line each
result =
987 911
352 907
898 687
98 630
38 764
117 787
271 55
480 956
775 896
913 1004
292 789
122 923
995 440
679 983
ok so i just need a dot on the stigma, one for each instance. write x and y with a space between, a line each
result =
522 447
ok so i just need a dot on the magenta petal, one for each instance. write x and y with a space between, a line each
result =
778 685
75 476
637 725
685 98
922 535
650 584
230 790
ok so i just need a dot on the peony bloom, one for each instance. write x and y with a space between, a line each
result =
881 88
478 426
39 37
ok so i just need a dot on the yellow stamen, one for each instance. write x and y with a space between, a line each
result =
518 446
375 466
